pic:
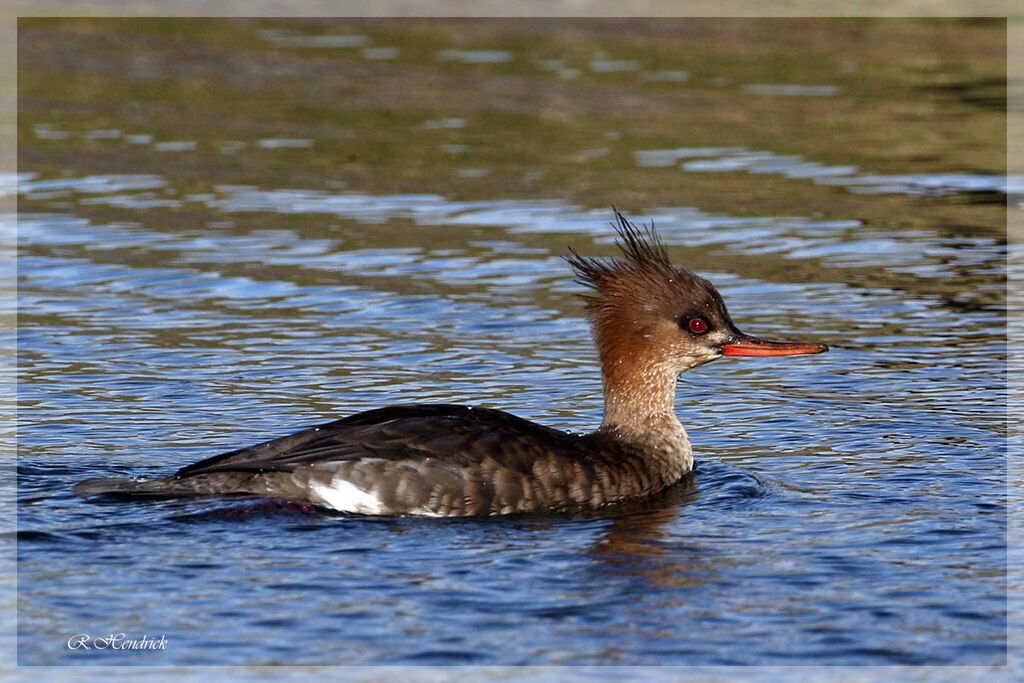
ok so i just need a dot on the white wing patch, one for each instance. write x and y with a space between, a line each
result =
344 496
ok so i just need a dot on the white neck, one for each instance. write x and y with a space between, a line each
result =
640 407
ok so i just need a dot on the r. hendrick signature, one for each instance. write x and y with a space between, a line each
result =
116 641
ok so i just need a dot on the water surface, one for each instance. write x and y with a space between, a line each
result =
230 230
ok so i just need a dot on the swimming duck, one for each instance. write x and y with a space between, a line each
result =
651 321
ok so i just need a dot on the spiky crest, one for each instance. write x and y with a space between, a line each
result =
644 265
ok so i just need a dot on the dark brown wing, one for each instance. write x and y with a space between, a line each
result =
460 436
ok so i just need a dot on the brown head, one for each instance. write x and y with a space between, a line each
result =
653 320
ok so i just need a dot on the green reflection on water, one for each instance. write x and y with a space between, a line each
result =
912 96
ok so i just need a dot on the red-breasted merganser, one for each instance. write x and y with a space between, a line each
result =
651 321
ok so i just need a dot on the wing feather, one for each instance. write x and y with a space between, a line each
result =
458 435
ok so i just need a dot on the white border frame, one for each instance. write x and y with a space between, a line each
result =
11 10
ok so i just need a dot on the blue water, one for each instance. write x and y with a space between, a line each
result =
847 508
841 510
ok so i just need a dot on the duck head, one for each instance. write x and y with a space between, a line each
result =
650 316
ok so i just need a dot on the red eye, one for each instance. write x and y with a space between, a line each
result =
698 325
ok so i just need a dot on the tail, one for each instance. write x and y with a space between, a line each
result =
219 484
131 488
